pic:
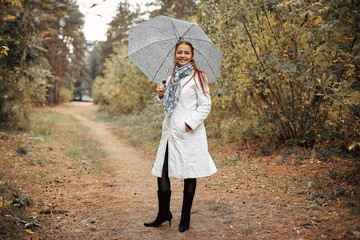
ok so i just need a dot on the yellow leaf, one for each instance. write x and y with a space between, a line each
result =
17 3
317 21
4 50
9 17
352 146
29 231
4 203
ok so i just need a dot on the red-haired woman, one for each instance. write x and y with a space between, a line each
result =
183 149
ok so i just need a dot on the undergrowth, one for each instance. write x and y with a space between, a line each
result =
340 184
15 219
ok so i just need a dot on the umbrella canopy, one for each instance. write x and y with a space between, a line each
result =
152 45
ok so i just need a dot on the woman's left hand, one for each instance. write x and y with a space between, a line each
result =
160 89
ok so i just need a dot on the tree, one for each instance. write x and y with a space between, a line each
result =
93 62
116 33
174 8
290 69
118 27
65 42
38 40
123 88
23 70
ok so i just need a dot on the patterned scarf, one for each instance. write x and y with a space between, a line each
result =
172 90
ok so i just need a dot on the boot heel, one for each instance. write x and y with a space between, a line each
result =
164 213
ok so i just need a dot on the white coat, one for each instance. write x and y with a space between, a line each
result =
188 151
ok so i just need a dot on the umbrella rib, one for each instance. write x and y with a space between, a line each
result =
162 63
187 30
174 27
208 64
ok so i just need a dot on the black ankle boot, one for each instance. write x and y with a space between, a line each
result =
185 212
164 213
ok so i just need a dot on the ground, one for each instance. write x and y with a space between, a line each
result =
78 197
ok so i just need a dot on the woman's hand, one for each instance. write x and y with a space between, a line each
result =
187 129
160 89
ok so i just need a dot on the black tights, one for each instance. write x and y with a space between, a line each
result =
164 181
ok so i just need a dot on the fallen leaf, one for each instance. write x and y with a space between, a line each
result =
29 231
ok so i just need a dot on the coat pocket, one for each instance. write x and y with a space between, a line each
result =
178 125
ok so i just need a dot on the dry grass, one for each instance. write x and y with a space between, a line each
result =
100 188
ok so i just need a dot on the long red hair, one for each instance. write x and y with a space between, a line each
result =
201 74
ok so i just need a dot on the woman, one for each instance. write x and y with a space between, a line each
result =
183 150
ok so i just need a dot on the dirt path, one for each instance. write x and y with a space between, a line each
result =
249 197
117 206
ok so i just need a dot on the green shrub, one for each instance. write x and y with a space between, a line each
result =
65 95
123 88
290 70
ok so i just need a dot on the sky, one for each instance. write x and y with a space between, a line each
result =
97 17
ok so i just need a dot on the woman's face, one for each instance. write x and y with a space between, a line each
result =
183 54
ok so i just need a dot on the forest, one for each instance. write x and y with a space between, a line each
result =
289 83
290 72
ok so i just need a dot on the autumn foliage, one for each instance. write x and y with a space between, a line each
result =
41 56
290 70
124 88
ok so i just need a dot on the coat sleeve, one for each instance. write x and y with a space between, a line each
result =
203 106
